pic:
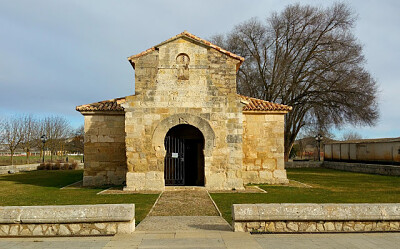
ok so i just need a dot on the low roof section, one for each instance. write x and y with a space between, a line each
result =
251 105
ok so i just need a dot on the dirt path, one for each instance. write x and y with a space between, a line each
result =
184 203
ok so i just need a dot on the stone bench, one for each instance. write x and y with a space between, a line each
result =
310 217
102 219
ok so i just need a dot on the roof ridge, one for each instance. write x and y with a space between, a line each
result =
194 37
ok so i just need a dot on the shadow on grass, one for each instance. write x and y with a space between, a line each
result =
44 178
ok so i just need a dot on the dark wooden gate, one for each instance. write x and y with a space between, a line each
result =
174 172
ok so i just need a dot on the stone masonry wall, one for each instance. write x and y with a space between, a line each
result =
65 229
105 156
317 226
391 170
207 98
312 217
263 147
100 219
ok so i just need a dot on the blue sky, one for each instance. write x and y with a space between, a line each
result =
55 55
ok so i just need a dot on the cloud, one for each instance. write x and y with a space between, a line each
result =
59 54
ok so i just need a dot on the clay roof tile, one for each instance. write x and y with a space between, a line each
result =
251 104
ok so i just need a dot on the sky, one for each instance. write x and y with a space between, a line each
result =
55 55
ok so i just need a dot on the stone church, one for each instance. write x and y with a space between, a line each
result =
185 125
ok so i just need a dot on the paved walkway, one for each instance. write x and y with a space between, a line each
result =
184 223
184 201
210 239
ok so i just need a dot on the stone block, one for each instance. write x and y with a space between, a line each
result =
250 176
126 227
280 175
77 213
215 180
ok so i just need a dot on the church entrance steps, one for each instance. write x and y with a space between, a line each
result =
184 201
184 223
184 188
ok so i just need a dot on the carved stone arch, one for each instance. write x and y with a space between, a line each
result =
183 118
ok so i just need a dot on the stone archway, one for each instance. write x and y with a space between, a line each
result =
184 159
184 118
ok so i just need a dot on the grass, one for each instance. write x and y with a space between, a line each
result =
328 186
43 188
18 160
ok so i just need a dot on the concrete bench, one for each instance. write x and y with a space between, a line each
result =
102 219
310 217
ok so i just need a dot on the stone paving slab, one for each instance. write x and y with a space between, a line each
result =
342 240
210 239
185 223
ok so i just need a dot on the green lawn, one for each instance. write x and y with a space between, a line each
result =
18 160
328 186
43 188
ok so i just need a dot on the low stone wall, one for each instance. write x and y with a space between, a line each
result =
26 167
18 168
391 170
303 164
102 219
305 217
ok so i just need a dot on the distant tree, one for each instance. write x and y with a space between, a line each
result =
31 130
77 142
57 130
1 130
306 57
351 135
41 130
12 134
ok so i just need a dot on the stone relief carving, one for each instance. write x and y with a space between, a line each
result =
182 61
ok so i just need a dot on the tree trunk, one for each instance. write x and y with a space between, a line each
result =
12 157
27 156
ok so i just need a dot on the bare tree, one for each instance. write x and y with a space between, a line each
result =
57 129
30 128
351 135
306 57
41 130
2 135
13 134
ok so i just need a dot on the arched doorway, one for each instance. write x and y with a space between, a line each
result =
184 158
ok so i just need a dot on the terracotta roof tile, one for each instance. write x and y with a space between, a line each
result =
251 104
196 38
106 105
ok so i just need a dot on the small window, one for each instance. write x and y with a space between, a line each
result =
182 61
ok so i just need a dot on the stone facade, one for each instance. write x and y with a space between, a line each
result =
185 81
263 146
105 158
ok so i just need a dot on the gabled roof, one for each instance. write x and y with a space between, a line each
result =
192 37
251 105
